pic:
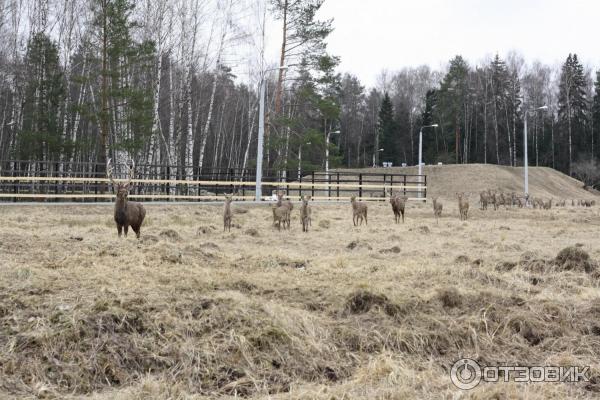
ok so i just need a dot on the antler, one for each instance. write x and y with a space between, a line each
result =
109 174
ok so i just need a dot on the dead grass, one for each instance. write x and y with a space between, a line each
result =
379 311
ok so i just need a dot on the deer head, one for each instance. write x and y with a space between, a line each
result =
122 188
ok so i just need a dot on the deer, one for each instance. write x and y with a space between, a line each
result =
437 209
127 213
398 205
463 206
484 199
281 214
359 211
285 203
305 213
227 214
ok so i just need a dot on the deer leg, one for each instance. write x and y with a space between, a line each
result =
126 228
119 229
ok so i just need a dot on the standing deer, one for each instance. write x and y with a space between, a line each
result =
437 209
285 203
127 213
227 214
398 205
463 206
305 213
359 211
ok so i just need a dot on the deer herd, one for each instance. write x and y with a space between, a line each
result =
131 214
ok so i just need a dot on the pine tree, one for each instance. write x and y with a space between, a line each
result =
387 132
430 141
452 101
572 104
44 89
500 86
596 107
125 112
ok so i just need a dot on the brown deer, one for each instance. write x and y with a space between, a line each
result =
227 214
281 214
359 211
463 206
285 203
398 205
305 213
127 213
437 209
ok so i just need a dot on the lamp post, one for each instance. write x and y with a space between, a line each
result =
261 132
300 159
421 152
525 162
376 152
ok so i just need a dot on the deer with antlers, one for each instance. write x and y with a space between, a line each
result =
127 213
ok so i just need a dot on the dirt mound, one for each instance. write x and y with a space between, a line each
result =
363 301
449 297
571 258
357 244
393 249
574 259
170 234
325 224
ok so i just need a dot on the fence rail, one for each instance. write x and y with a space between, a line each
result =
69 181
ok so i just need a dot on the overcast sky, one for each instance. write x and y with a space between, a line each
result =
371 35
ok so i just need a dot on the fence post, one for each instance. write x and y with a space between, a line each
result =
338 186
404 184
391 185
287 180
425 180
313 184
300 187
384 177
359 186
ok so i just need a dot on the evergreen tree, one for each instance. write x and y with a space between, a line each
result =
387 131
125 111
572 104
430 141
44 89
513 116
453 99
596 106
499 87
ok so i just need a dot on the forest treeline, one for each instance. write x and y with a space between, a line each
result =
176 82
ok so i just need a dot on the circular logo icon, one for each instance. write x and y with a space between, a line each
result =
465 374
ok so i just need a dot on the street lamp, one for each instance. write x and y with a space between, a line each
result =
300 159
375 152
261 132
421 152
525 162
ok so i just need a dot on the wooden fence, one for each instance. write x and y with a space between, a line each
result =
76 185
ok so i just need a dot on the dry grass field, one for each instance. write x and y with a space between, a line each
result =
342 312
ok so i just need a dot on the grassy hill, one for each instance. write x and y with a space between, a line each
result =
445 180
